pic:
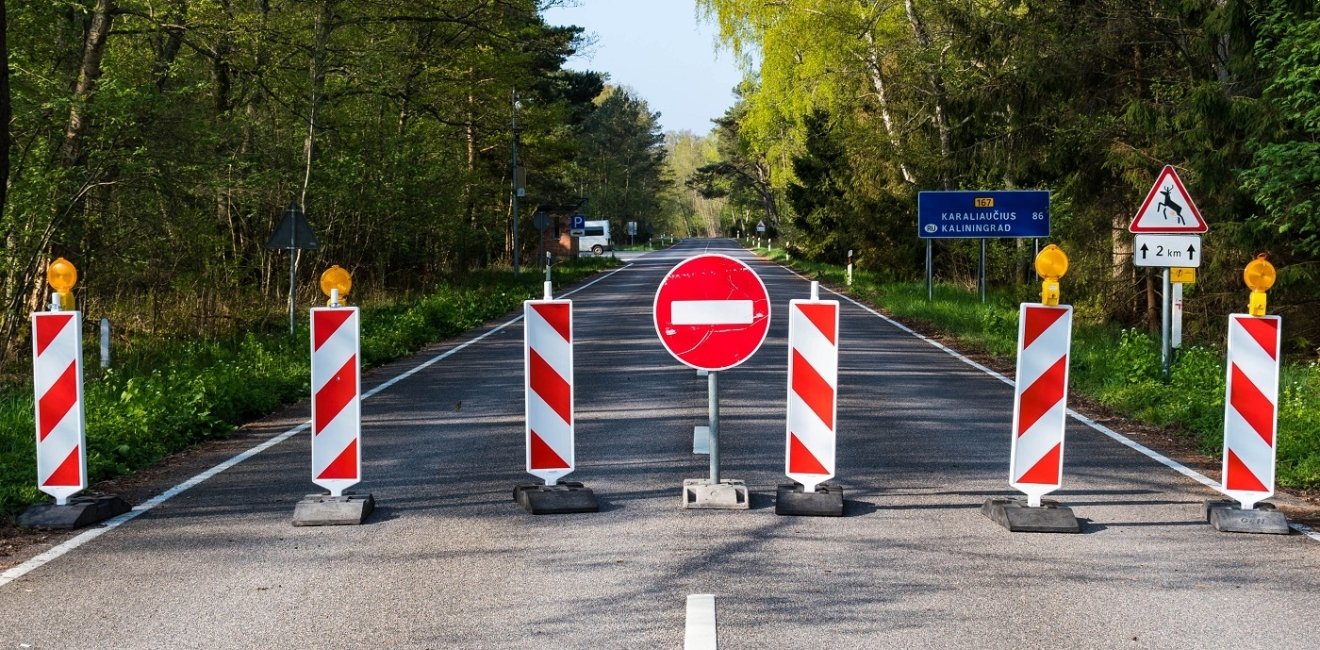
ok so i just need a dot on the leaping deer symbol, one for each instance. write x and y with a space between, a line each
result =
1169 204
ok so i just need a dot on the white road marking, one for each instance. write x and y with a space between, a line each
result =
1120 438
700 633
711 312
14 573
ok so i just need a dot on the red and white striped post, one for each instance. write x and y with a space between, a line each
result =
813 380
548 384
57 377
1040 399
1251 407
57 381
1251 413
336 398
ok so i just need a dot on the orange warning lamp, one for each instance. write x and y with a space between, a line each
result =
335 284
1259 276
62 275
1051 264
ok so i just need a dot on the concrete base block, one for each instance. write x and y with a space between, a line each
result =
324 510
563 498
729 494
80 511
701 440
1015 515
825 501
1228 516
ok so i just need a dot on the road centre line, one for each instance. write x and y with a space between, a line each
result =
700 631
1118 437
36 562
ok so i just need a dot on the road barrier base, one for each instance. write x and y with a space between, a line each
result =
1226 516
701 440
825 501
1015 515
565 498
324 510
729 494
81 511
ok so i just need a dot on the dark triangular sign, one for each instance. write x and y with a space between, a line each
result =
293 232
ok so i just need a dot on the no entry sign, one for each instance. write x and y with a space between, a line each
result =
712 312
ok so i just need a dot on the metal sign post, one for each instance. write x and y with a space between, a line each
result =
293 234
1167 227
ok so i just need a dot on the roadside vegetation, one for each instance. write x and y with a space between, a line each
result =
1116 366
163 394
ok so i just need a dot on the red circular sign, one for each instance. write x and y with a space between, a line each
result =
712 312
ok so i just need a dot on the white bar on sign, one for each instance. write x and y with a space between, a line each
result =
711 312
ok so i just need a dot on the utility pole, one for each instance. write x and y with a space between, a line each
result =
513 175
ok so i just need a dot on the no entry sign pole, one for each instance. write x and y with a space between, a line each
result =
713 409
712 313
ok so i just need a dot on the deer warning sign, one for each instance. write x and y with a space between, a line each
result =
1168 208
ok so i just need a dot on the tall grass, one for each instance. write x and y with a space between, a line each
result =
1117 367
168 394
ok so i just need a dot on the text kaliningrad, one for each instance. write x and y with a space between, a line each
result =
984 222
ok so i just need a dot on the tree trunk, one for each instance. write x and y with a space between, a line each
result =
878 85
939 96
88 73
325 23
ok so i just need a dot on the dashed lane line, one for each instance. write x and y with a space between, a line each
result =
700 632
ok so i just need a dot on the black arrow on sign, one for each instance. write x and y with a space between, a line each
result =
1143 251
1191 251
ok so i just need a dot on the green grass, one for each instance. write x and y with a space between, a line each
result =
169 394
1117 367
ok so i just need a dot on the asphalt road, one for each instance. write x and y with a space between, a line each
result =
450 561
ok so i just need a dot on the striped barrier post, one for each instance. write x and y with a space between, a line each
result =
1251 414
1040 400
57 377
549 410
1040 409
61 424
336 399
336 377
548 386
813 380
1251 407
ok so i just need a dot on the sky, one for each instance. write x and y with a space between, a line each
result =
662 51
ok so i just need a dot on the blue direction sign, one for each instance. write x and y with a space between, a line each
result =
983 214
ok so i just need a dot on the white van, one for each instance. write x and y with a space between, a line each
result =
596 237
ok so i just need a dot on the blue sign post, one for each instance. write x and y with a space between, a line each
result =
980 214
579 225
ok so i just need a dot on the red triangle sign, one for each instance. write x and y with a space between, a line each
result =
1168 208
